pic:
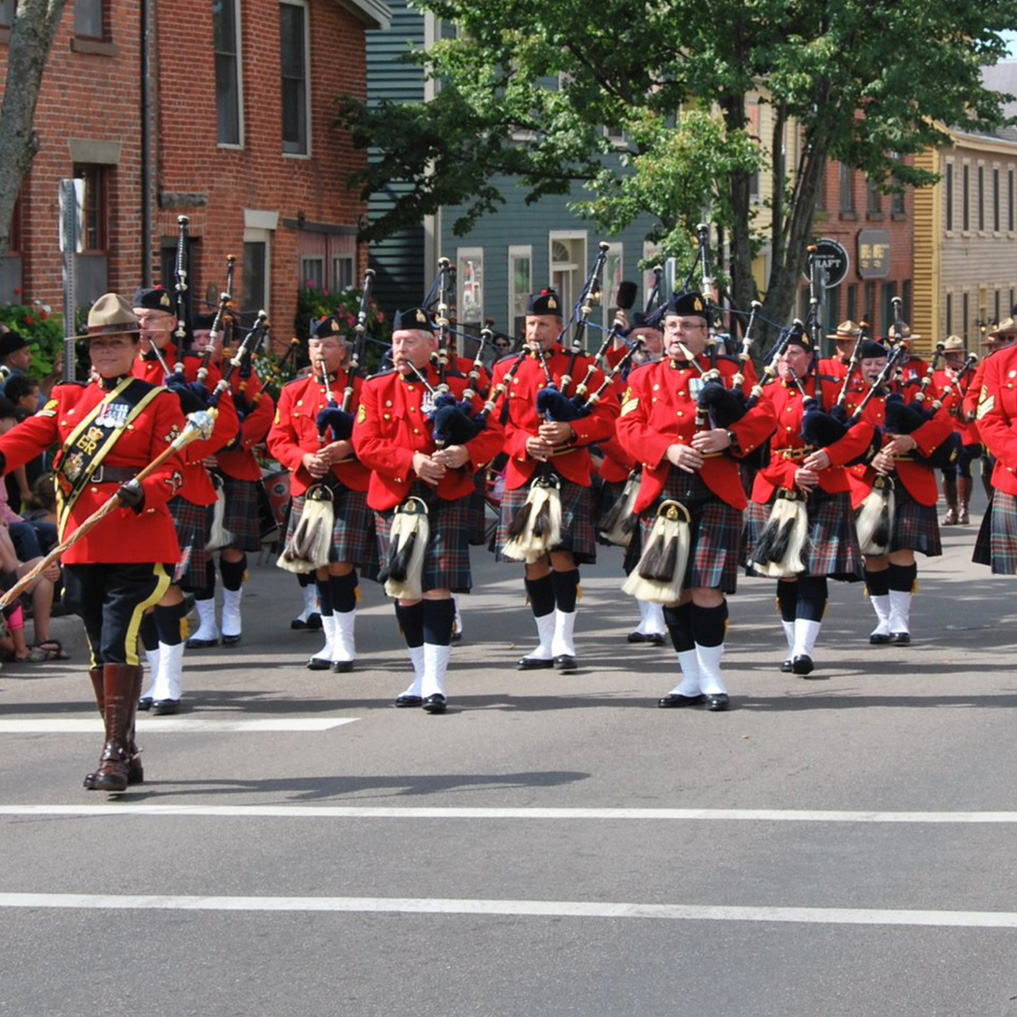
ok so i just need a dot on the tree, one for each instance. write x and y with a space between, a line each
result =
527 89
35 24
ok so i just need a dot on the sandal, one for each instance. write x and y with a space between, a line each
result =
52 649
35 655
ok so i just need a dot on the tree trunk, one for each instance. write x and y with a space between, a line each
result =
743 283
35 24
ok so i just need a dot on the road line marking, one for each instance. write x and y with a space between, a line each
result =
176 725
530 908
125 807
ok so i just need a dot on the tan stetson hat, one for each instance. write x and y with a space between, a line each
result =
1006 327
953 344
112 315
846 330
906 332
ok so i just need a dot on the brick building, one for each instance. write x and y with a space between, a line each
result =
234 131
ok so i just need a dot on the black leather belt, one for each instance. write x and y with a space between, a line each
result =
112 475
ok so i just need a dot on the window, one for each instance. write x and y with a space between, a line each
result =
520 280
995 310
906 299
852 302
886 309
966 198
949 195
6 13
609 295
94 209
568 267
88 19
293 61
225 29
964 316
995 200
870 307
981 197
873 199
470 285
342 273
255 275
949 314
312 272
847 190
1010 200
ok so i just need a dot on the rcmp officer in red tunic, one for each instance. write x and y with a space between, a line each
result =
890 578
108 431
191 508
958 374
700 470
394 437
298 443
236 468
815 473
539 449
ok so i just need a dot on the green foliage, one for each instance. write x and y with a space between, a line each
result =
313 304
38 323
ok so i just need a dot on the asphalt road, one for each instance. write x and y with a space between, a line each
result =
554 845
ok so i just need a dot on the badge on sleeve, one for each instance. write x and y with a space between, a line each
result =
361 414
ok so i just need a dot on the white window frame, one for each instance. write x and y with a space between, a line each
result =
464 254
240 82
306 154
578 268
517 252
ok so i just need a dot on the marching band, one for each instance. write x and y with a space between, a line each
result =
661 442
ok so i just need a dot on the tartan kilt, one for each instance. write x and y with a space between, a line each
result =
578 535
353 537
194 528
715 537
447 558
242 516
915 527
478 511
997 536
831 545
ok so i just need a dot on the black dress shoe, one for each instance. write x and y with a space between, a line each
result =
402 701
342 666
787 666
201 644
674 700
718 702
802 664
533 664
318 664
165 707
879 639
435 703
565 662
230 640
145 703
900 638
656 639
638 637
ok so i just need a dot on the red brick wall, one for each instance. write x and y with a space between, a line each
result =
97 97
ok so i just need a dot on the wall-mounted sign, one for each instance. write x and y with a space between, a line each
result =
873 254
833 261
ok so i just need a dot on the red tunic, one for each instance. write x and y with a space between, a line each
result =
198 488
523 421
917 477
392 425
997 410
954 400
788 409
240 462
123 536
659 410
295 430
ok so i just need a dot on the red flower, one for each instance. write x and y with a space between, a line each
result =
19 292
29 320
380 316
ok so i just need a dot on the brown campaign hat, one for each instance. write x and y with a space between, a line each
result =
846 330
906 332
953 344
112 315
1006 327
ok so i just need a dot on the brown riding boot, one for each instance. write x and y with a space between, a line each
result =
964 498
135 771
950 494
121 683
